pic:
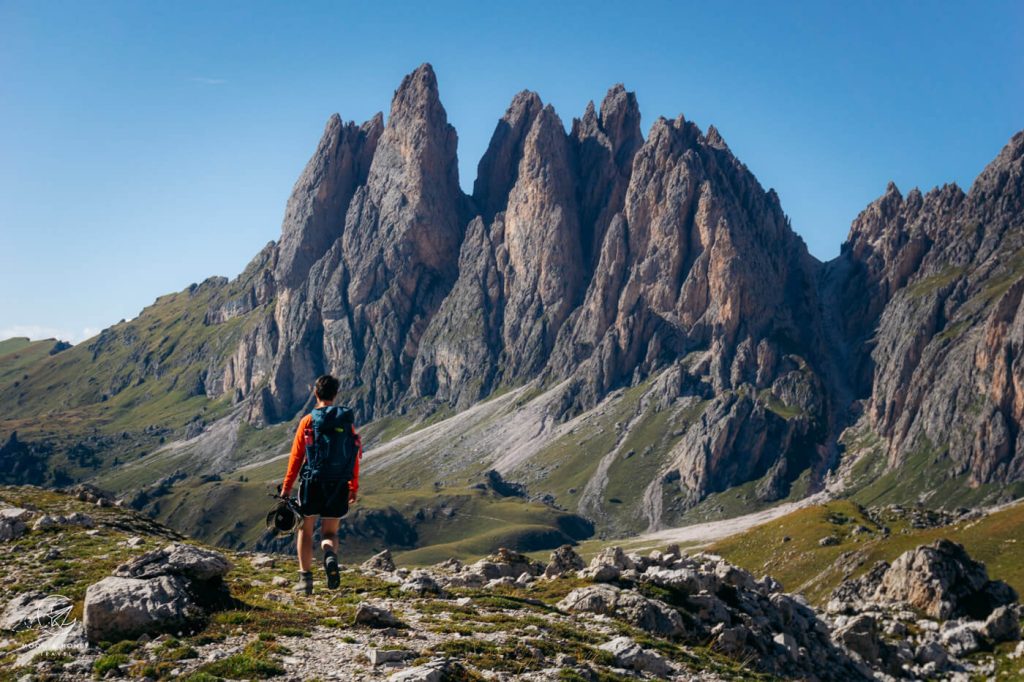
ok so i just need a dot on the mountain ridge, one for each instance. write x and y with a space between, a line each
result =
634 316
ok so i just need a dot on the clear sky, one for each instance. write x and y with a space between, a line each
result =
146 145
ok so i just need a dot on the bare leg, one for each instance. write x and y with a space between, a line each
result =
329 534
304 543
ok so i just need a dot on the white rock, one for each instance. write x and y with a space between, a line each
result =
32 609
632 656
68 639
429 672
12 523
262 561
119 608
177 558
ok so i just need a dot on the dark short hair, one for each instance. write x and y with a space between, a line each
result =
326 387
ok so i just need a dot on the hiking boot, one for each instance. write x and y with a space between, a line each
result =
304 584
332 570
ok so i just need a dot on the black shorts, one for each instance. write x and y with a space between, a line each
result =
323 498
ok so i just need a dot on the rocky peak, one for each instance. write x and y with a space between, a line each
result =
604 146
620 121
315 214
542 238
499 166
401 243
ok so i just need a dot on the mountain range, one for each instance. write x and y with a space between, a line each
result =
614 333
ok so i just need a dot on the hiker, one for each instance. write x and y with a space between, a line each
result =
325 460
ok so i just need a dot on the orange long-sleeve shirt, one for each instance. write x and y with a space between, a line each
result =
298 456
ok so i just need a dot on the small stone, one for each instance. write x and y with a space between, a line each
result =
434 671
262 561
380 562
381 656
632 656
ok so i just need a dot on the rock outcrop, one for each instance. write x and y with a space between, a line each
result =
924 614
165 590
940 580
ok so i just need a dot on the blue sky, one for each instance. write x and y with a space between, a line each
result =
146 145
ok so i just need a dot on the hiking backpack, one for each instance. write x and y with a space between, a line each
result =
332 445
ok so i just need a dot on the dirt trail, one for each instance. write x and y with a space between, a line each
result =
705 533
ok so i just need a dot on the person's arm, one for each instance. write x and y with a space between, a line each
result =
297 457
353 485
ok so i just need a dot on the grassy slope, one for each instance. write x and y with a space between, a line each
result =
127 388
800 564
923 476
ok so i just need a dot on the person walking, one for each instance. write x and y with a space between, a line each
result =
324 459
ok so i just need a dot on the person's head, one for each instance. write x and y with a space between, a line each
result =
326 388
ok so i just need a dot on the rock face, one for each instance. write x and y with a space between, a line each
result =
595 258
929 286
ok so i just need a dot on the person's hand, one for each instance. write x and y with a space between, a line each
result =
351 496
284 493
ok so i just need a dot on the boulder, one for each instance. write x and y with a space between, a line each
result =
376 617
651 615
939 579
603 573
932 653
612 556
434 671
506 564
963 638
178 559
787 642
563 560
630 655
12 523
944 582
45 521
262 561
860 635
382 656
119 608
380 562
732 641
421 583
74 519
32 609
688 580
1002 625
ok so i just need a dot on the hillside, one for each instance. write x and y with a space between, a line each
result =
625 325
93 591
